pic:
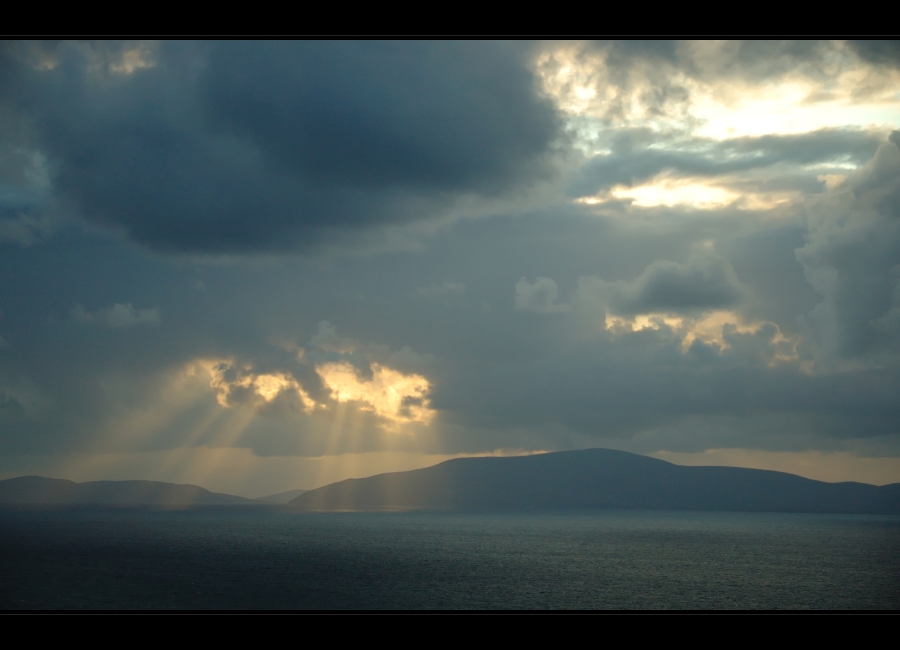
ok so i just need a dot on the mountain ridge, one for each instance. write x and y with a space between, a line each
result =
595 479
39 490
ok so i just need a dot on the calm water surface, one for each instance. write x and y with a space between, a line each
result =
261 558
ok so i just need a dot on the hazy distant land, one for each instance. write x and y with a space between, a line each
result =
595 479
37 490
588 479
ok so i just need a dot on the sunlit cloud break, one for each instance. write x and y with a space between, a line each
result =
233 383
391 395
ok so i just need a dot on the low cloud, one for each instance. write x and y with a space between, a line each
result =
705 282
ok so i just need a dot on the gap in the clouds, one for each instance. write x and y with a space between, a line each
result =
705 88
694 128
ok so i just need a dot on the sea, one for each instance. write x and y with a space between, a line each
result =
267 558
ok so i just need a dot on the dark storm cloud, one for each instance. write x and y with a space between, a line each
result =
260 146
441 116
633 161
882 52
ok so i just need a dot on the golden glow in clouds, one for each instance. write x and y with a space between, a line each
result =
390 394
710 328
226 379
395 397
701 194
716 100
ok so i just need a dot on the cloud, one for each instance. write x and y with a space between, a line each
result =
852 259
24 192
704 283
638 156
396 398
540 297
326 338
261 146
881 52
118 315
235 384
676 328
713 60
349 371
619 80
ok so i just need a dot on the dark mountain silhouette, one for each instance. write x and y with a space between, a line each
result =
281 497
594 479
37 490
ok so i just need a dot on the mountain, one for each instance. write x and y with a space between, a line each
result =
281 497
594 479
36 490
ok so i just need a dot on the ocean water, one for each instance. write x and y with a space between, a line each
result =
265 558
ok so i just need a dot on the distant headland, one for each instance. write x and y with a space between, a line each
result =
589 479
594 479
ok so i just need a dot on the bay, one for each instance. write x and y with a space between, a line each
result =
264 558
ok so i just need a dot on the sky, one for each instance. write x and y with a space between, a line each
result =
264 266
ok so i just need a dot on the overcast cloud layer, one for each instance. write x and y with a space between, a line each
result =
261 266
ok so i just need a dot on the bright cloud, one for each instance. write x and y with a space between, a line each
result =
698 87
234 384
797 105
713 328
392 395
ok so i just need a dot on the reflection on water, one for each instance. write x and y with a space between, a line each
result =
260 558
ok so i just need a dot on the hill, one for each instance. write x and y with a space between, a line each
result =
35 490
594 479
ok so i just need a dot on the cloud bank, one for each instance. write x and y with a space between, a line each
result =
262 146
223 260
